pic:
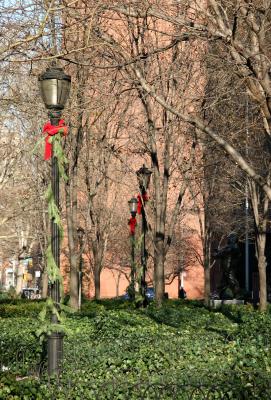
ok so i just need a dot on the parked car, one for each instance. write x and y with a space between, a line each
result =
149 294
31 293
125 296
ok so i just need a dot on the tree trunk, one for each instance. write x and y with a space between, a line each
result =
159 272
71 189
74 283
19 282
118 285
207 263
261 240
71 215
261 227
44 285
98 259
262 284
207 284
97 282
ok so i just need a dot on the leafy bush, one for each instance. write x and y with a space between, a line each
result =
12 294
114 351
13 308
3 295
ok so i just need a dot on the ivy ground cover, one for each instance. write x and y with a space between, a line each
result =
114 351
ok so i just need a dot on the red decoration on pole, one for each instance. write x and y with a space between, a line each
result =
140 197
51 130
132 222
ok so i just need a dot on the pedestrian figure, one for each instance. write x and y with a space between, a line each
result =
182 293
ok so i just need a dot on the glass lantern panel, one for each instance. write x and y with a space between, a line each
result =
133 205
55 93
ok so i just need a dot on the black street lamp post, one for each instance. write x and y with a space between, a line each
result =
55 87
133 210
143 176
80 234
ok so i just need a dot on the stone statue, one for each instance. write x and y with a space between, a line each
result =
229 256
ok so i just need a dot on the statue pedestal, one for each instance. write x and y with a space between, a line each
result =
219 303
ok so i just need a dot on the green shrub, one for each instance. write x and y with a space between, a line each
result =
13 389
3 295
13 308
12 293
114 351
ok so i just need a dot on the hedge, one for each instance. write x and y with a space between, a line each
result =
114 351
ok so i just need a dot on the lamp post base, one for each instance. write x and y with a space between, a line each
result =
55 352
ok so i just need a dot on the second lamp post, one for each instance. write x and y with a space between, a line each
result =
133 210
143 176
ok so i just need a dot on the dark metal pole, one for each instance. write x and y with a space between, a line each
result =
133 265
55 339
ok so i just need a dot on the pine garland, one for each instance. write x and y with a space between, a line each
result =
53 271
53 211
59 154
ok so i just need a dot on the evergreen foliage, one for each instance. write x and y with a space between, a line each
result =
113 350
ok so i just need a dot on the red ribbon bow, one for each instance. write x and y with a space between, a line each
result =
144 197
132 222
51 130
